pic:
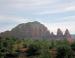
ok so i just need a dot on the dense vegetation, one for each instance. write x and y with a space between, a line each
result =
28 48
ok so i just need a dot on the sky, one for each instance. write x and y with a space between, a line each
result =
53 14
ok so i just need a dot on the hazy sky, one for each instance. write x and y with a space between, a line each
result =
52 13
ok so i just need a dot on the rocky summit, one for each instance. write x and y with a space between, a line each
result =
34 30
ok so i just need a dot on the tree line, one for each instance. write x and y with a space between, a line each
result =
28 48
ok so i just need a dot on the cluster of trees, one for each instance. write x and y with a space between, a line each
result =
28 48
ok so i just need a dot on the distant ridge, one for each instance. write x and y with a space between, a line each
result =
35 30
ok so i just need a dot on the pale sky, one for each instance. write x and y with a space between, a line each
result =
52 13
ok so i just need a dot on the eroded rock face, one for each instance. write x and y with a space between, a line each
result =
52 35
34 30
59 32
67 34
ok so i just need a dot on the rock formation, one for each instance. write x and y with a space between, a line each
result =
59 32
67 34
35 30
